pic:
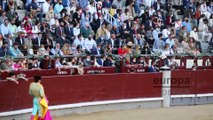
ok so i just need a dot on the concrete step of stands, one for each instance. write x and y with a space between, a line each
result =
204 47
21 14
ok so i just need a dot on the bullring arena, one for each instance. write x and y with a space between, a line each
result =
106 59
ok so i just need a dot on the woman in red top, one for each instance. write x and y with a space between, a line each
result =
28 28
122 50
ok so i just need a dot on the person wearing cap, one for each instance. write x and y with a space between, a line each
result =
15 52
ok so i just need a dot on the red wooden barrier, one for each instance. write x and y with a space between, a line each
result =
76 89
204 81
183 82
192 82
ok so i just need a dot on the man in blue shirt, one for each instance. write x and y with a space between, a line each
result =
158 44
58 7
187 24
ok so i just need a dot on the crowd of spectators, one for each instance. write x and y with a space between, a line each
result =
76 27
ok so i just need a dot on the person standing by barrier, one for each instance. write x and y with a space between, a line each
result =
40 107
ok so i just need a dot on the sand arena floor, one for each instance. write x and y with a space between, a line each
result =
200 112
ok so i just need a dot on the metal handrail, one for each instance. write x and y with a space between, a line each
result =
107 16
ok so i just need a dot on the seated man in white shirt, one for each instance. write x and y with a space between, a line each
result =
204 31
45 6
204 9
90 44
79 41
5 28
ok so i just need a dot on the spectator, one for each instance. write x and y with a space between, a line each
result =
13 27
4 50
5 28
33 64
76 30
12 77
167 50
68 31
153 67
58 63
62 40
118 3
46 7
66 49
29 41
3 17
57 50
46 63
50 13
107 4
17 65
109 61
42 51
113 42
204 31
58 8
158 44
172 63
86 31
101 60
90 44
101 31
122 50
193 46
87 62
138 40
155 33
124 31
182 33
20 40
15 52
59 30
210 8
204 9
83 3
211 21
9 39
1 40
141 62
137 50
79 41
6 65
187 24
145 49
33 8
170 40
77 16
91 7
